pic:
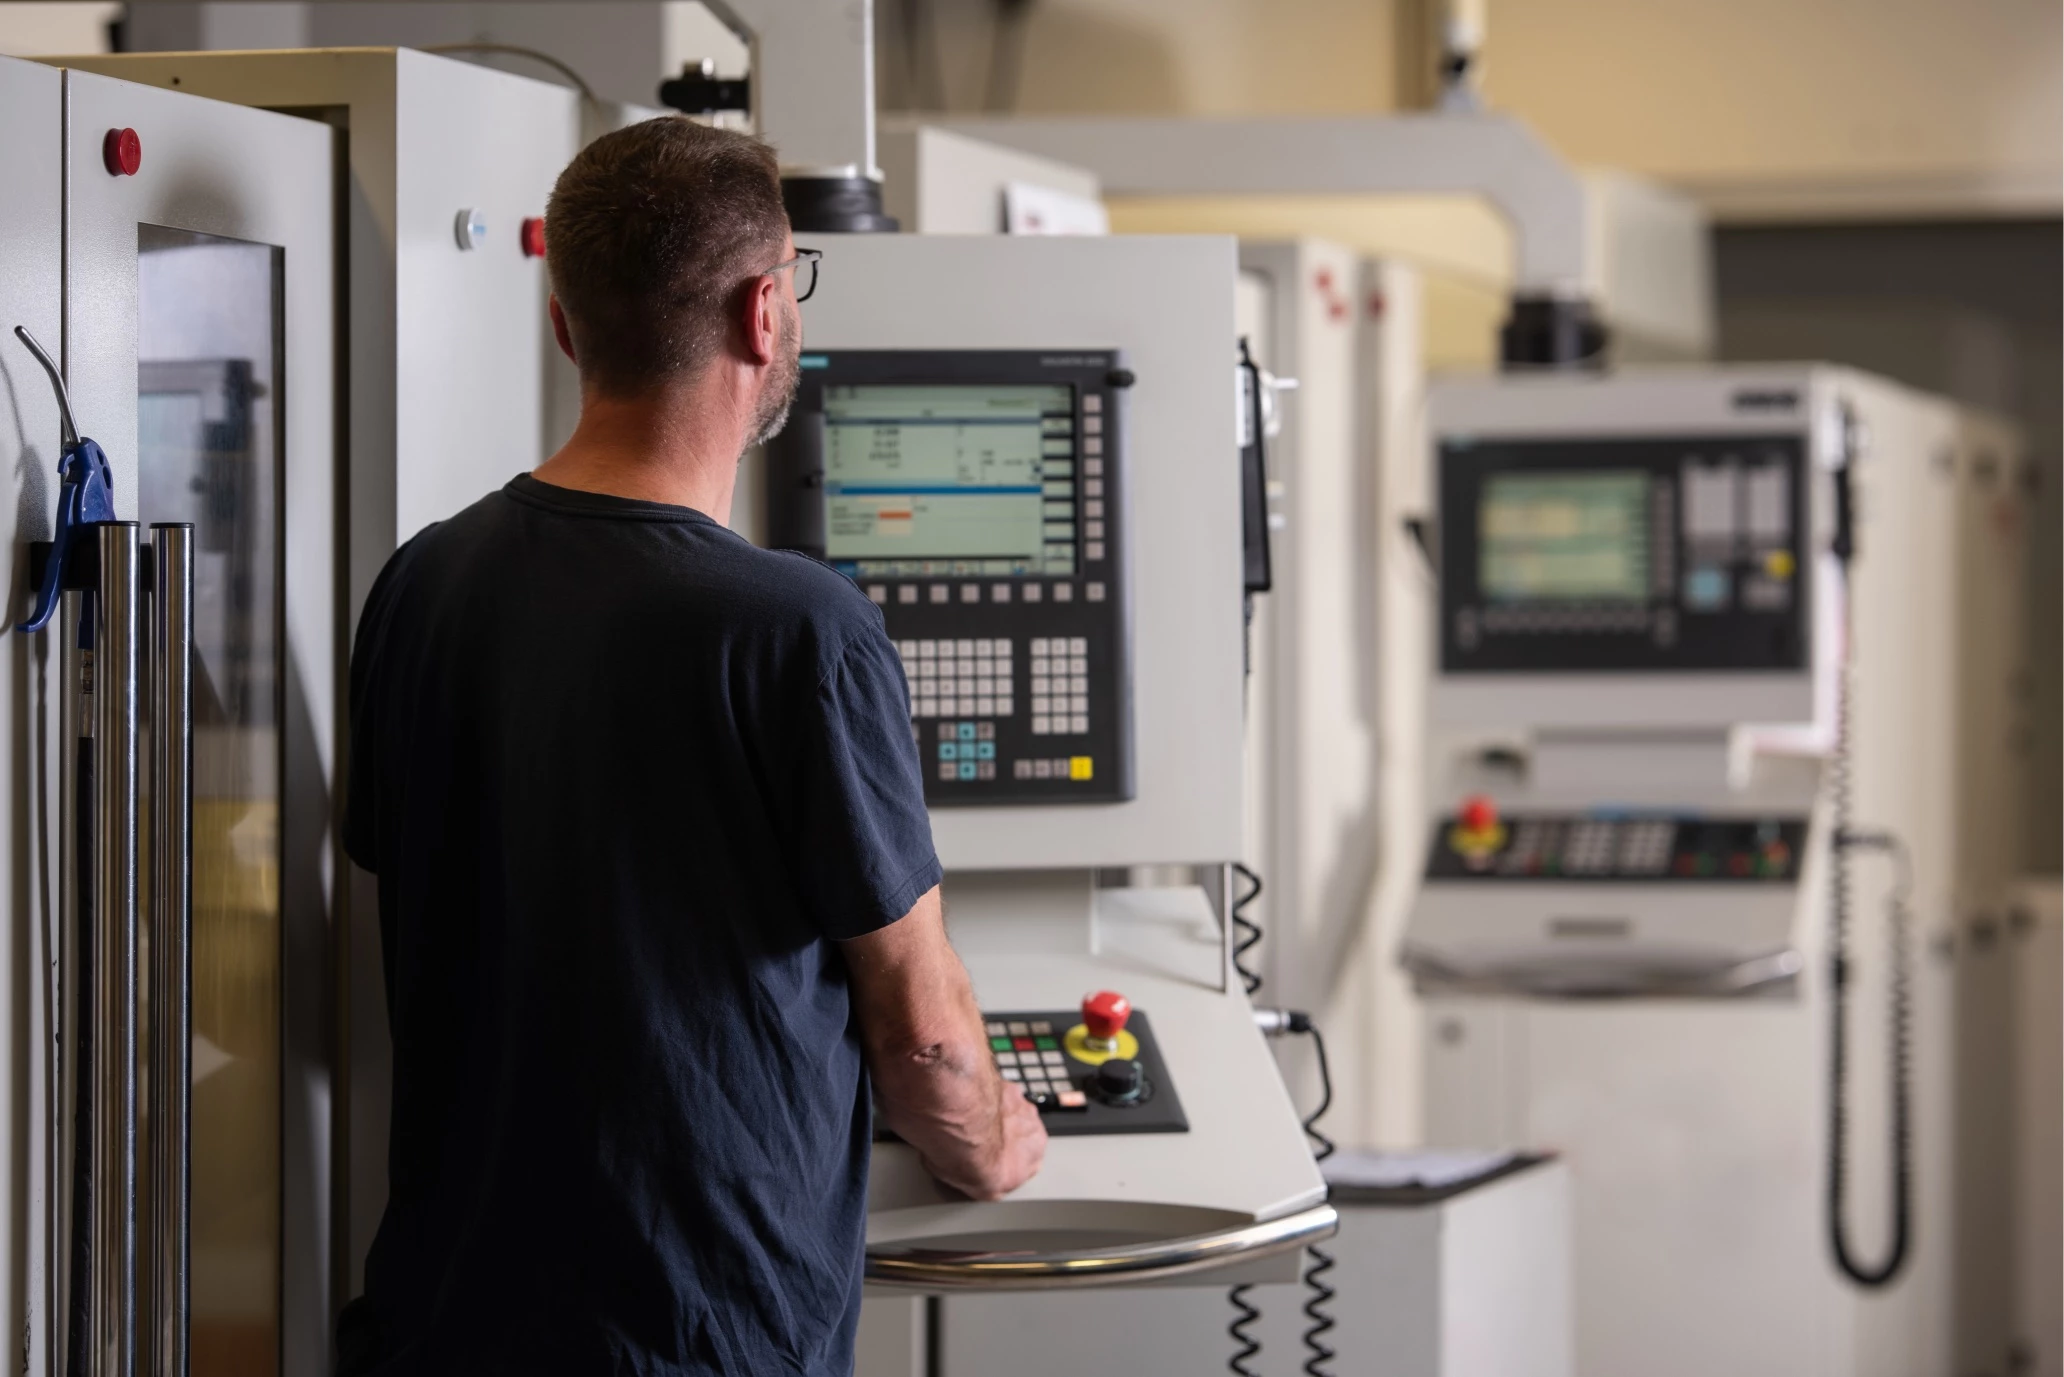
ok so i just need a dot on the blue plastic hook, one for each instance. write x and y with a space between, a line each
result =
85 494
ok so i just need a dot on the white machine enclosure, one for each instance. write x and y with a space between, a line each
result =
1696 1128
1020 897
196 290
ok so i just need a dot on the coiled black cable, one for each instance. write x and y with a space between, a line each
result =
1248 1344
1246 932
1318 1354
1847 839
1246 936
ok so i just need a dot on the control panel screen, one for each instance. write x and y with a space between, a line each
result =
977 497
950 478
1564 536
1574 554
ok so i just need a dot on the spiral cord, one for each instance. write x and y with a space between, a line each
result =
1847 840
1246 932
1318 1354
1237 1330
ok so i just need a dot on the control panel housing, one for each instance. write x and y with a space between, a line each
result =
978 497
1592 848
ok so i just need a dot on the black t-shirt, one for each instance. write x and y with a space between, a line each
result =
621 775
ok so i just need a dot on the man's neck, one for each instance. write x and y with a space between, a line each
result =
679 448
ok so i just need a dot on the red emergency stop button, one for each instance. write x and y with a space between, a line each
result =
121 152
1478 814
1104 1014
532 236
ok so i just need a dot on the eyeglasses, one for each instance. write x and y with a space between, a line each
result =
805 258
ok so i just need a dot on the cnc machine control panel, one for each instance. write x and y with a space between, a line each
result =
1575 555
977 497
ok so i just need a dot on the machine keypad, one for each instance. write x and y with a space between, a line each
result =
1537 847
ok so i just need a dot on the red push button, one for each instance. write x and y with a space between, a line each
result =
1478 814
532 236
122 152
1104 1014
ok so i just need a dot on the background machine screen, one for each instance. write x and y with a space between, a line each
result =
1616 554
977 498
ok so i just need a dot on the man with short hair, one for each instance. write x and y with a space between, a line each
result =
654 866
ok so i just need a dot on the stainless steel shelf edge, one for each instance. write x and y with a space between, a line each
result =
934 1270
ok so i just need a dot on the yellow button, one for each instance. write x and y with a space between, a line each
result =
1779 564
1080 767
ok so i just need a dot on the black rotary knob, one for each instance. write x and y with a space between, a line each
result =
1119 1081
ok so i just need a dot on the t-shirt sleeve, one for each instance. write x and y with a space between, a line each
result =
361 780
861 842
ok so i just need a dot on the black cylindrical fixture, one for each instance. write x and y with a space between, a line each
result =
835 203
1552 332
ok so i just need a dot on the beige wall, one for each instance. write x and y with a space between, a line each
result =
1793 108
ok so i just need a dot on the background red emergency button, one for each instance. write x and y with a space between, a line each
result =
1104 1014
1478 814
532 235
122 152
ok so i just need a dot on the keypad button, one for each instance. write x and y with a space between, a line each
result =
1094 592
964 647
1092 403
1040 685
948 770
1078 663
1092 425
1042 703
1000 592
1093 487
1011 1073
1006 707
1042 725
906 593
1093 530
949 731
1093 550
1039 645
1079 683
971 592
1042 769
984 646
985 707
1094 507
966 705
1093 467
1021 769
967 769
1041 1028
1003 647
1078 724
877 593
1077 645
996 1030
985 731
1033 592
964 731
985 769
1064 592
940 592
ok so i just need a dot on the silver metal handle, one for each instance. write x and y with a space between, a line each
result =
116 672
1729 979
171 932
929 1269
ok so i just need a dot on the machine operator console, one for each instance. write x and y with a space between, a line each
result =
977 496
1476 843
1096 1070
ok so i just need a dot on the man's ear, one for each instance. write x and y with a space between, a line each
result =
559 330
762 320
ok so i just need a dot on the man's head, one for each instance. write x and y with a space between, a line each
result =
658 241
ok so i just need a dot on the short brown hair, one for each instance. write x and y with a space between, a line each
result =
648 235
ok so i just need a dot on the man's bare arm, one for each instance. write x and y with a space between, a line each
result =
934 1077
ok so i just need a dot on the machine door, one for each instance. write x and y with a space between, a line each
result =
199 293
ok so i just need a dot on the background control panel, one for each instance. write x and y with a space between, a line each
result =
977 498
1475 843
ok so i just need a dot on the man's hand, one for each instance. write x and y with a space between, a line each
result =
937 1083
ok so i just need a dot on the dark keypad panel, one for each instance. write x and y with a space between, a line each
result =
1031 1050
1648 849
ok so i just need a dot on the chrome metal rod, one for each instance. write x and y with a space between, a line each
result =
171 945
74 890
929 1269
116 671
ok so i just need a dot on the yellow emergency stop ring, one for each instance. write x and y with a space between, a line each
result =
1077 1043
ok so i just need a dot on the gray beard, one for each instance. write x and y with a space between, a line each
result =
780 393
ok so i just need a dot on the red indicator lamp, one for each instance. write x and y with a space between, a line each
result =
532 236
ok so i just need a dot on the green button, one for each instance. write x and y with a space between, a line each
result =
999 1044
1046 1044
